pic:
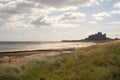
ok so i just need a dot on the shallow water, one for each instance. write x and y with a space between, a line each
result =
21 46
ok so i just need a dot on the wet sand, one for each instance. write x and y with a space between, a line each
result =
6 57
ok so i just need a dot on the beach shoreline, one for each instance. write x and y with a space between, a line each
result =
81 59
9 56
6 57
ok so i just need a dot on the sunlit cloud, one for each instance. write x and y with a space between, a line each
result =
100 16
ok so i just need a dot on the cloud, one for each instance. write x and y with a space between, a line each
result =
5 1
60 25
16 25
65 18
115 23
64 3
33 6
115 12
100 16
72 17
116 5
68 8
13 10
43 20
92 22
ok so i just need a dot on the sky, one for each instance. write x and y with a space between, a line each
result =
55 20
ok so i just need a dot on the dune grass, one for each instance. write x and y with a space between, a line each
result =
98 62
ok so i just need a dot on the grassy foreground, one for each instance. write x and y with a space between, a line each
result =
99 62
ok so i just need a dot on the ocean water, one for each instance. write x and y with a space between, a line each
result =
23 46
17 46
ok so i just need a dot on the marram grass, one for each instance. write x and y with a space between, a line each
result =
98 62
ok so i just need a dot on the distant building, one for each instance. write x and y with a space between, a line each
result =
97 36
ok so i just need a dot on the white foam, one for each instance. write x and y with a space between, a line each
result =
60 45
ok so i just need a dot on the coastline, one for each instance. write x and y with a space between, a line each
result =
23 46
103 57
6 57
9 56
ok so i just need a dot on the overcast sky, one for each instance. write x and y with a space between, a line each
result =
46 20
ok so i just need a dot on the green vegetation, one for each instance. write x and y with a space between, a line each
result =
98 62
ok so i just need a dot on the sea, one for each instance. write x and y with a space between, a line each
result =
8 46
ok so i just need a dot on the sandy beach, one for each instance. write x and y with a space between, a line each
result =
43 50
6 57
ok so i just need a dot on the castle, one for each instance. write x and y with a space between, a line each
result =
97 36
